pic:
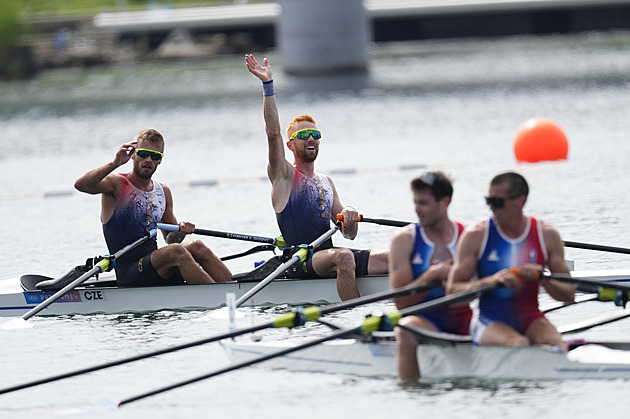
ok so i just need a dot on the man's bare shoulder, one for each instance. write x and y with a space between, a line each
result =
404 233
476 229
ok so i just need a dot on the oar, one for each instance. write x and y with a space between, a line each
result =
381 221
256 249
577 245
370 325
589 282
603 248
277 241
299 256
559 304
286 320
102 266
598 321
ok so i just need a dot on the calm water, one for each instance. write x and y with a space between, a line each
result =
453 106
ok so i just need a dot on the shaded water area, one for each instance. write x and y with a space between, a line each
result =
447 105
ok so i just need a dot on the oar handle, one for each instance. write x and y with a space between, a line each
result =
278 241
381 221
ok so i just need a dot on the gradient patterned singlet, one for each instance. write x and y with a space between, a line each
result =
447 319
308 212
136 213
517 308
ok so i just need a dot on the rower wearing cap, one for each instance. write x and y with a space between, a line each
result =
306 202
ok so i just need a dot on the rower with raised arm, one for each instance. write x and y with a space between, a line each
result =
132 204
305 201
423 253
511 249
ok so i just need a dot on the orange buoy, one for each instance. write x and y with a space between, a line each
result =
540 139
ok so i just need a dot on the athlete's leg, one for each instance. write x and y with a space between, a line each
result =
339 261
175 257
541 331
408 368
378 262
210 262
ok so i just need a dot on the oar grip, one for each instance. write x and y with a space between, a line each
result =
168 227
340 217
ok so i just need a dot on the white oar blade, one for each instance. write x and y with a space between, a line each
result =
17 323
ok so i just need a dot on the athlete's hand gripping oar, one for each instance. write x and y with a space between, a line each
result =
381 221
285 320
277 241
370 325
299 256
102 266
603 248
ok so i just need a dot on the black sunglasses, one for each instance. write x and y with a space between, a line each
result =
496 202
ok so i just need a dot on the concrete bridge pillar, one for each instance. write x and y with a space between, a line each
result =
323 36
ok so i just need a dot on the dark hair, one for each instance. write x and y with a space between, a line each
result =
517 185
437 182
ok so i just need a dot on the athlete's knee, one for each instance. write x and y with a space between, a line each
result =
405 341
518 340
198 248
179 254
344 258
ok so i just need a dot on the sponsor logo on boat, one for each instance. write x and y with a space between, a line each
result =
38 297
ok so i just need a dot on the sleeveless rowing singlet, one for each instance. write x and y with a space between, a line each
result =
308 212
517 308
136 213
447 319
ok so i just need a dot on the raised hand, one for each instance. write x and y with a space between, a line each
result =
124 153
263 72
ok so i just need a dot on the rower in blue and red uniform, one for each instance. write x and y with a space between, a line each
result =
511 249
423 253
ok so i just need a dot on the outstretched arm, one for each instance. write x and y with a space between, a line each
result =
278 165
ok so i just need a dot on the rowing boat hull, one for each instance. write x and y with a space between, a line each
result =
15 302
90 300
437 361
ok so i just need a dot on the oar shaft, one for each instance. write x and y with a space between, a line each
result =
380 221
355 302
385 222
32 312
326 310
123 361
222 234
603 248
589 281
338 334
366 327
103 265
294 259
447 300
